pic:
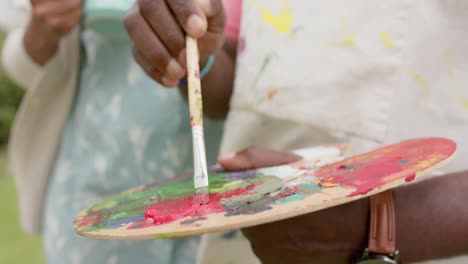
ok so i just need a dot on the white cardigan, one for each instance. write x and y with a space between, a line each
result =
40 120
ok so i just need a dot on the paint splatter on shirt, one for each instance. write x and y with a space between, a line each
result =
363 73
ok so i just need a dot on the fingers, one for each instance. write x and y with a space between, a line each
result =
158 28
163 23
214 12
213 38
152 71
190 16
256 157
53 8
64 23
59 17
151 48
147 67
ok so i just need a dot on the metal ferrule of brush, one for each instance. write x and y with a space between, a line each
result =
199 158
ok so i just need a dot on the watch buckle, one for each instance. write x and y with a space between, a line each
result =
386 258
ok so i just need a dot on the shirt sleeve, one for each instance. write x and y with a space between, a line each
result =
16 61
233 14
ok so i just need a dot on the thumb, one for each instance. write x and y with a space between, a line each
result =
190 16
214 12
256 157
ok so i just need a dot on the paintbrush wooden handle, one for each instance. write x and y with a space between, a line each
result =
194 83
196 120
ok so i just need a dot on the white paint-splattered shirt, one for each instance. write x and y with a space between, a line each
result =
366 72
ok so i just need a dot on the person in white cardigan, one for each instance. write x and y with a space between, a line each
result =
91 124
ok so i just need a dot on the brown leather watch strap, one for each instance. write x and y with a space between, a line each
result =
382 223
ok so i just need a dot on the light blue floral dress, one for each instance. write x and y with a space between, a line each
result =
123 130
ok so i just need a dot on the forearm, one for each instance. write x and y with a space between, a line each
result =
217 85
432 218
39 45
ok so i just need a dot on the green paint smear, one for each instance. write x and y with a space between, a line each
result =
305 191
133 204
163 236
270 184
266 61
292 198
312 188
124 208
119 216
218 184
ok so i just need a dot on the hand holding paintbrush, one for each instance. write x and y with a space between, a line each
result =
160 30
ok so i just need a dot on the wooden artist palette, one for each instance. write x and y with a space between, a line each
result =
248 198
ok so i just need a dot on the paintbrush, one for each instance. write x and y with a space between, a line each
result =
200 177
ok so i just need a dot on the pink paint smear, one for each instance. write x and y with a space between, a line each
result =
167 211
377 168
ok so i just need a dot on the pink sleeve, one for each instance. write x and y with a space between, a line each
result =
233 15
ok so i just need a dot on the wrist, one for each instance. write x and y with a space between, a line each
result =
360 237
204 60
40 44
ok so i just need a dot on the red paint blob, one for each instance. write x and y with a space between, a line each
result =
93 219
410 178
192 121
167 211
288 192
377 168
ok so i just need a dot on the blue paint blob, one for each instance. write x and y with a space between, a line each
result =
121 222
230 235
250 208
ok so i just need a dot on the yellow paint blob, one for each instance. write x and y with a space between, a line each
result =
428 161
421 82
384 37
349 39
465 104
451 73
281 22
328 184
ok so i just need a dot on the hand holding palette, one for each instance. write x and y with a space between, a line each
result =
321 180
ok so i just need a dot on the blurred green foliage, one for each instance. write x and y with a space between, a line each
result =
15 245
10 97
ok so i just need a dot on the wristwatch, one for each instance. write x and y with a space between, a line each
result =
381 248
